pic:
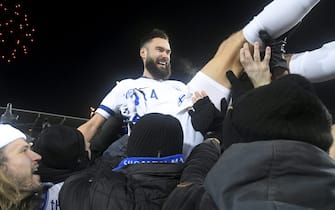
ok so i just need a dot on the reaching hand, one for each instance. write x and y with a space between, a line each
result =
198 95
239 86
258 70
205 117
278 63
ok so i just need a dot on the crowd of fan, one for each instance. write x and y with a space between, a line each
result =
268 144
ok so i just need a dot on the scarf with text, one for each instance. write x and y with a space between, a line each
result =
143 160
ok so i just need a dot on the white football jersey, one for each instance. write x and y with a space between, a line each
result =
136 97
51 201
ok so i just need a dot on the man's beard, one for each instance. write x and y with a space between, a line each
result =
156 71
26 185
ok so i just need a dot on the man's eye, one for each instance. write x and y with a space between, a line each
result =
25 149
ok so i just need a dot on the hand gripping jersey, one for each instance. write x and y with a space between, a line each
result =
136 97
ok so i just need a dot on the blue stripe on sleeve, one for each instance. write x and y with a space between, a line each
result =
107 109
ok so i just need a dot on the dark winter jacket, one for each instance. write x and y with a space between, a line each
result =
190 193
273 175
135 187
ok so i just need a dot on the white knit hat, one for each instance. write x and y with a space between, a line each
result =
8 134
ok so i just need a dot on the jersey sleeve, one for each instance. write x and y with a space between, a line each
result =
112 101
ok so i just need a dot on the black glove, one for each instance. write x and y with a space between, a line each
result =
206 118
278 64
215 129
239 86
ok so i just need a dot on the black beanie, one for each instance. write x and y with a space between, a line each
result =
155 135
63 152
288 108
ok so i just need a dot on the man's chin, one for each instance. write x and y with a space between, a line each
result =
165 74
159 72
36 179
34 185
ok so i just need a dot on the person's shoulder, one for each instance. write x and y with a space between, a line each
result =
92 177
177 85
175 82
130 81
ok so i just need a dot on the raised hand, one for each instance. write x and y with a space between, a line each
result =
257 69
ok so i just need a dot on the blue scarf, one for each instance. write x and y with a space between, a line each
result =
140 160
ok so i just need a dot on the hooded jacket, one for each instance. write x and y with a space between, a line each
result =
277 174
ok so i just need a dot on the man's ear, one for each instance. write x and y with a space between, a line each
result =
143 53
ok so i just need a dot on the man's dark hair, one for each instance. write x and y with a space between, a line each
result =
155 33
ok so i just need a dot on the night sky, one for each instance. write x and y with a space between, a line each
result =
81 48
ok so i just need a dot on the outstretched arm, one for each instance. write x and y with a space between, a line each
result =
317 65
90 128
277 18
